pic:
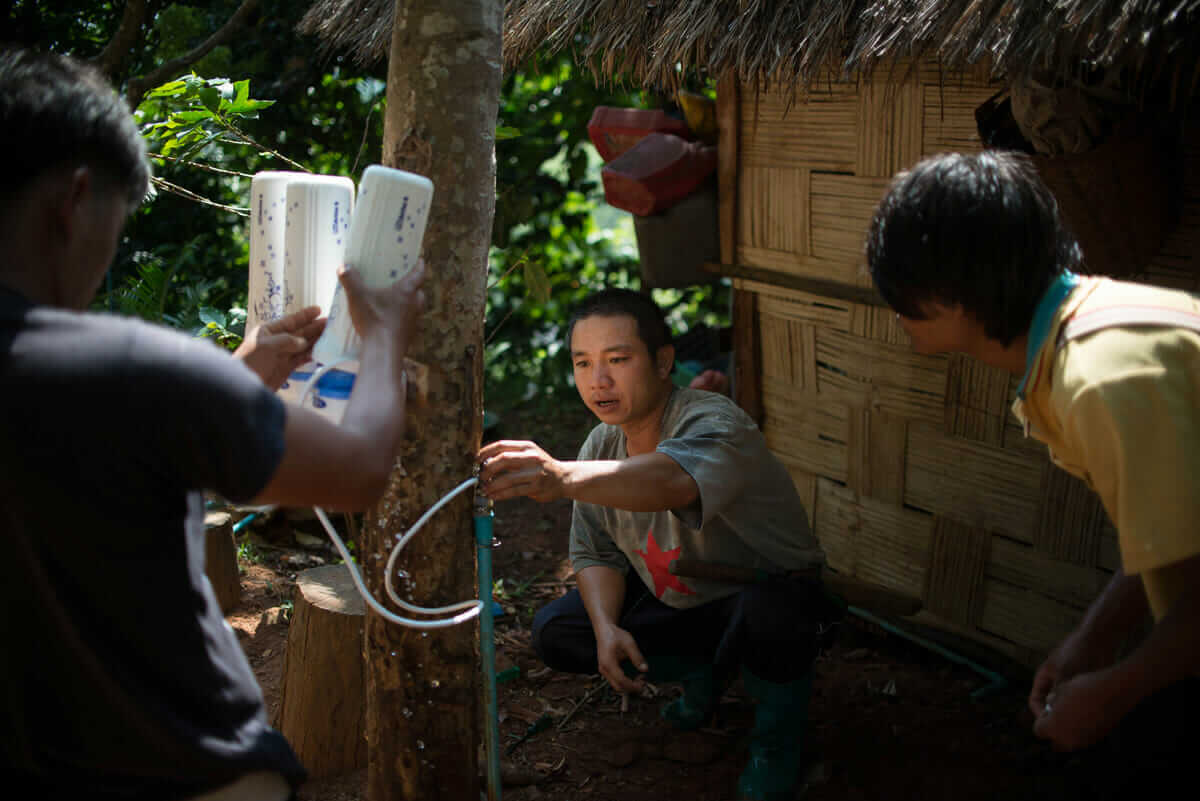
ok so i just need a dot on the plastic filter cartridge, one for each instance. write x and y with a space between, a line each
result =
268 206
384 243
318 222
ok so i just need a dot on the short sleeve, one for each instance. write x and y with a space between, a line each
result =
712 448
591 542
217 427
1138 433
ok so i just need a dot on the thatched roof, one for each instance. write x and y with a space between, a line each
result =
798 41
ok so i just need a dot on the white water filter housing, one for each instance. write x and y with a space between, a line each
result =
318 211
384 243
268 205
317 223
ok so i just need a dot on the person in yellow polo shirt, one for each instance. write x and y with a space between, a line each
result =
971 253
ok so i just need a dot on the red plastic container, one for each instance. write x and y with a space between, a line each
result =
614 130
656 173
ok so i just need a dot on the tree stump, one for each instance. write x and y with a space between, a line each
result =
322 698
220 560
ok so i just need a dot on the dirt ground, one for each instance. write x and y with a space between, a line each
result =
889 719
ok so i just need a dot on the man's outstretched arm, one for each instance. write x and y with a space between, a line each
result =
650 482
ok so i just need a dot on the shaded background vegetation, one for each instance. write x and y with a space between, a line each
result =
183 261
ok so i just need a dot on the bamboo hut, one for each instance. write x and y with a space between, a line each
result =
914 472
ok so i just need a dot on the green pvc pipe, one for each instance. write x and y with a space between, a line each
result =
487 643
998 682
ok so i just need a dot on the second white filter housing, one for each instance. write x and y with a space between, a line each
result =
384 243
318 221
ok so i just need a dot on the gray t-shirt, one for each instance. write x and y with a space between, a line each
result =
748 513
119 677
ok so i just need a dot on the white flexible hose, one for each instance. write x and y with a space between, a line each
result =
466 609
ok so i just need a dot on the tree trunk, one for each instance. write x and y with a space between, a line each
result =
321 699
423 705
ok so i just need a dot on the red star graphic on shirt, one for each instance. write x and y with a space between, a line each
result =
658 562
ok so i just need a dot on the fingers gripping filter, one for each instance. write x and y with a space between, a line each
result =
268 205
384 243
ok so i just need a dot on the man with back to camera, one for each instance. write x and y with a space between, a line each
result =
675 473
120 678
972 254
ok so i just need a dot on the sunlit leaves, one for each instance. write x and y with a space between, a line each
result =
185 115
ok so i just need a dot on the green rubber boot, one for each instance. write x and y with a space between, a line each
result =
691 710
777 740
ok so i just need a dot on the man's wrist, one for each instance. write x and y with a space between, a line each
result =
569 478
603 629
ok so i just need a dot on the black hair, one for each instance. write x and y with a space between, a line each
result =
981 231
56 111
651 323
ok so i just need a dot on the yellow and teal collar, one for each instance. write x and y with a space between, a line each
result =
1043 317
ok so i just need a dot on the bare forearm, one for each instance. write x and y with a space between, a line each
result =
344 467
377 405
651 482
603 592
1172 649
1117 612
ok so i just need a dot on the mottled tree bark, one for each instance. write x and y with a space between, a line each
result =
423 691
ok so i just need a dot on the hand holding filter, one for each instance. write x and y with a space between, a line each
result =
383 244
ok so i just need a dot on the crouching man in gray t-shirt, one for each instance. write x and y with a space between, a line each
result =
676 474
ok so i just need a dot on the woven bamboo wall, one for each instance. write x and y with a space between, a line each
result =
914 472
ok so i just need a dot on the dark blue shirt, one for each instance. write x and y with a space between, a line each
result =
119 677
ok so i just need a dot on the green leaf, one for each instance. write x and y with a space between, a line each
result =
245 108
212 317
195 146
192 116
507 132
171 89
210 96
537 282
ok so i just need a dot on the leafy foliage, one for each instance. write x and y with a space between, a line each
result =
555 241
184 262
201 111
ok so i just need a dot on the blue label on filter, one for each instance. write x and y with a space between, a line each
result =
336 385
299 376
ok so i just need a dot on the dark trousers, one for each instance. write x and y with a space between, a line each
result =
1150 753
774 629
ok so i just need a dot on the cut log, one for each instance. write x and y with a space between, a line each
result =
220 560
322 698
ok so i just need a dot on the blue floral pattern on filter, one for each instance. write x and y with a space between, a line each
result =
268 307
403 211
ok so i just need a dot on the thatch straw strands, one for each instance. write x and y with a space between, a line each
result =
798 42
